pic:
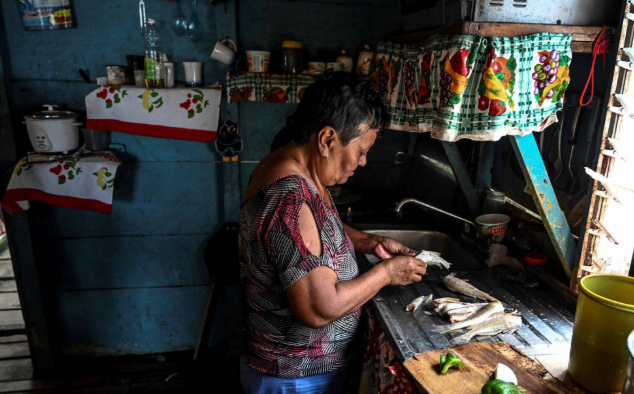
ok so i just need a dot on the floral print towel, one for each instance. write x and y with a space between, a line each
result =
80 182
179 113
463 86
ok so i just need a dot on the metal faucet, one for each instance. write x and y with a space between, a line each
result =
400 205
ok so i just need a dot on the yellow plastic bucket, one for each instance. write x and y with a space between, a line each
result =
604 319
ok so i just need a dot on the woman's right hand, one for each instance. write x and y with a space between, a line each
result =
404 270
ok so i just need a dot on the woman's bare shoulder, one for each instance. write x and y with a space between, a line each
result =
273 166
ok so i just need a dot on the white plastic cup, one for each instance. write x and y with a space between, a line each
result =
258 61
193 74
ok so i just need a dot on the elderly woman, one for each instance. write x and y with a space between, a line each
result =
301 284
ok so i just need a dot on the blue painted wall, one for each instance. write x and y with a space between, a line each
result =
135 281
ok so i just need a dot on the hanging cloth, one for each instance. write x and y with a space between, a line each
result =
463 86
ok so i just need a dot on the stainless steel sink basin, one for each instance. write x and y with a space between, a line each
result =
432 241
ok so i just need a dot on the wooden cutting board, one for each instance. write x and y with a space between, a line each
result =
480 361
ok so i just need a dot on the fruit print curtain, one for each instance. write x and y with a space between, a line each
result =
479 88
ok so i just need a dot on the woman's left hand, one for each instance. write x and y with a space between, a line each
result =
385 248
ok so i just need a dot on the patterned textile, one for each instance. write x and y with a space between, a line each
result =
463 86
179 113
272 88
84 181
273 256
381 373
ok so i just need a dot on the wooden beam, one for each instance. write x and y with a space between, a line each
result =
462 176
582 36
545 199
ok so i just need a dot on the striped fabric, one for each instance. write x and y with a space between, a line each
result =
462 86
273 257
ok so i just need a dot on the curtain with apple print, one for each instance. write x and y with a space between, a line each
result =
463 86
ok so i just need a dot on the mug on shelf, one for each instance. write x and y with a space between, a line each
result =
225 54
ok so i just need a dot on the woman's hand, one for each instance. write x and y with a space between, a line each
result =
385 248
403 270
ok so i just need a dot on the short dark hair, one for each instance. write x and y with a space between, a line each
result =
342 101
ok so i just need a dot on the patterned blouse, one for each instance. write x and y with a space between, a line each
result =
273 256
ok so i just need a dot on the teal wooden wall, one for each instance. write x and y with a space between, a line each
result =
135 281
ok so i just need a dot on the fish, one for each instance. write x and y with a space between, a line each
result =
440 301
417 302
432 259
478 317
502 324
457 307
461 286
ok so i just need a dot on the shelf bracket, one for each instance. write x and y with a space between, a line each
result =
545 199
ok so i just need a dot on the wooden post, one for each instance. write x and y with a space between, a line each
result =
544 196
462 176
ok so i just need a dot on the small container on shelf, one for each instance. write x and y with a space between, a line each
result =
346 60
115 75
292 59
364 60
258 61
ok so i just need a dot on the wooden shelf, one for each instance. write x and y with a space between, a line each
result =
582 36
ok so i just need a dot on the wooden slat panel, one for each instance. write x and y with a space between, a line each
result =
11 320
6 269
17 369
14 350
136 321
7 285
120 262
13 339
9 301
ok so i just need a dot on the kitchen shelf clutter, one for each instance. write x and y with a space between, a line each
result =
270 88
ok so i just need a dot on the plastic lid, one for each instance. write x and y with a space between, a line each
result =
292 44
150 21
50 113
535 258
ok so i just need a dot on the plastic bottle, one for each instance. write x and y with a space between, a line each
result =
154 71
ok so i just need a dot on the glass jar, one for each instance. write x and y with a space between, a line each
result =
292 61
115 75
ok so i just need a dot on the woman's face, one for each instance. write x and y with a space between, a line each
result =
343 160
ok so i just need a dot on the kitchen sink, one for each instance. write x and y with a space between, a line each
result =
432 241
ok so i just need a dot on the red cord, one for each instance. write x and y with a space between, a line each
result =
600 47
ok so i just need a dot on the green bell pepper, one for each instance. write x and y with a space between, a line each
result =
449 361
500 387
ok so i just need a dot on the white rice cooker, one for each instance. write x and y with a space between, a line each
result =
52 131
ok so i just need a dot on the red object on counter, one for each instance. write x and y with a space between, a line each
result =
535 258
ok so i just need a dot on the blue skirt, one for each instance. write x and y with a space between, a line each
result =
254 382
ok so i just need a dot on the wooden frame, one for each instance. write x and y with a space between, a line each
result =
595 249
582 36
